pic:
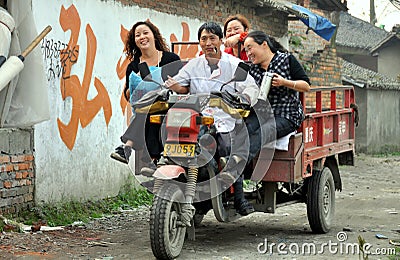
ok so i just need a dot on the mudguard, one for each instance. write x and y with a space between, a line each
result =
168 172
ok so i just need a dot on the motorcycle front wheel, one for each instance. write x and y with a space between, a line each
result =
167 234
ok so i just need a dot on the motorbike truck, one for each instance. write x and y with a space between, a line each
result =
186 184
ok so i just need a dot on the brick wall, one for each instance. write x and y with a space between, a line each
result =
325 68
17 175
214 10
318 57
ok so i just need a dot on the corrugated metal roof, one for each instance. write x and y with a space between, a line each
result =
363 77
356 33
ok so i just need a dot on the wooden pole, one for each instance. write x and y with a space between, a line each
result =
36 41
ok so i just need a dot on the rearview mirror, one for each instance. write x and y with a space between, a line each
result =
240 74
171 69
241 71
144 71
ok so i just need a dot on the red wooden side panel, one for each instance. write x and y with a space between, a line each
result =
309 132
286 166
344 126
328 129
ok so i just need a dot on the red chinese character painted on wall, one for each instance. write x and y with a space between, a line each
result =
83 110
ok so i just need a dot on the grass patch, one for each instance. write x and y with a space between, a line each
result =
65 213
388 150
387 154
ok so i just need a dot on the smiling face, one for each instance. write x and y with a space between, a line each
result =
209 43
144 37
234 27
257 53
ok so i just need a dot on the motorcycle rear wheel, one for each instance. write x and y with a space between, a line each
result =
167 234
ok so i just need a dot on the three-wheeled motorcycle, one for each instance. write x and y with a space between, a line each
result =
186 184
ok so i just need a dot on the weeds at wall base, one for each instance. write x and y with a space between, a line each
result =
65 213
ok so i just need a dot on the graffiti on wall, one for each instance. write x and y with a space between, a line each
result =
51 49
83 110
121 71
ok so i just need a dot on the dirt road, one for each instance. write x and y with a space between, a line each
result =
368 206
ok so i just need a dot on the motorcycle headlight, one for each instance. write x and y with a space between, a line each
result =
179 118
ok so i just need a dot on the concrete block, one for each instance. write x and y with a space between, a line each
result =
3 176
16 140
5 202
4 141
21 141
17 200
23 190
9 193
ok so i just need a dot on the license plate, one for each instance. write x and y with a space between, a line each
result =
179 150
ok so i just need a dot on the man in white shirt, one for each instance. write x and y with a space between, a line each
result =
209 73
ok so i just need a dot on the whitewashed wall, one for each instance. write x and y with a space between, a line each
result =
83 169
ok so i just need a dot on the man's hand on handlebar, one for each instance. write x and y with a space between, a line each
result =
243 99
173 85
236 99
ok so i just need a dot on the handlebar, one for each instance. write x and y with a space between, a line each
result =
159 101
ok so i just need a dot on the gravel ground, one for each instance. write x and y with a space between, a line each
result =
368 206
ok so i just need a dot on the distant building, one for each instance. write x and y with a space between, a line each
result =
368 46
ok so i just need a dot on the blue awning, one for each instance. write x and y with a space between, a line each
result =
320 25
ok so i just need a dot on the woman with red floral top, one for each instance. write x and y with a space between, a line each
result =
236 28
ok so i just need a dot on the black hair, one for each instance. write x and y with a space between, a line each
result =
259 37
133 51
210 27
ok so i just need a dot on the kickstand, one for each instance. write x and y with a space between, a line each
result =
191 231
259 198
